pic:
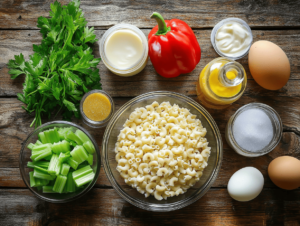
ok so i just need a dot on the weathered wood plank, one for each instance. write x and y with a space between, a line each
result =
14 128
106 207
15 42
23 14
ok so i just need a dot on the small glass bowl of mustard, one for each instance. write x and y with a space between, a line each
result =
96 108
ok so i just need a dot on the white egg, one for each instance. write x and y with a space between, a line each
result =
245 184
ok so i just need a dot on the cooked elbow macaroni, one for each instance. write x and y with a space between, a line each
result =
162 150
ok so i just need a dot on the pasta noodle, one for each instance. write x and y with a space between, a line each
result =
162 150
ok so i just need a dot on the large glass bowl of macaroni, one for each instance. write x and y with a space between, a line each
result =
193 193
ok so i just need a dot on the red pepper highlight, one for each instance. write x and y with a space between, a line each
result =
173 47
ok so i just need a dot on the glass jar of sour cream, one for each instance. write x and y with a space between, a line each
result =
232 38
124 49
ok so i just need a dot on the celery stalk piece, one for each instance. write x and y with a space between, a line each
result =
48 189
37 143
81 172
88 145
63 132
85 179
65 169
62 146
72 163
30 146
42 164
41 175
71 187
41 169
82 136
41 147
48 158
52 135
90 159
73 137
79 154
52 165
63 157
32 179
60 183
73 143
43 138
45 154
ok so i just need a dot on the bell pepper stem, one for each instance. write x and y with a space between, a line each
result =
162 27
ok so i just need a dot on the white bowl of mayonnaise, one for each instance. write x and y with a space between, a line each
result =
232 38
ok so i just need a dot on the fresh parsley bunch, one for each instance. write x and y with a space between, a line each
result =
62 68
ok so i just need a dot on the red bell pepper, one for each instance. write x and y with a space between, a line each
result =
173 47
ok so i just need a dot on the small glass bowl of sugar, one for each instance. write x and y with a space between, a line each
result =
254 130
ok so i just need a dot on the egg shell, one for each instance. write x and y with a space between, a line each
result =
245 184
269 65
284 172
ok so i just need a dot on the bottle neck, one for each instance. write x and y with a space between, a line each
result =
231 74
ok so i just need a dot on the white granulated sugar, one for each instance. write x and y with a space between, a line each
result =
253 130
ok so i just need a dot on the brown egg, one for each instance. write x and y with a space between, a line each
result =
269 65
284 171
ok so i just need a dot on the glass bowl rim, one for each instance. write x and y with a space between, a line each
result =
179 204
84 191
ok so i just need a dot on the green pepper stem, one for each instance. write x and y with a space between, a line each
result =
162 27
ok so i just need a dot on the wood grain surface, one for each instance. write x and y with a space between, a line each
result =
274 20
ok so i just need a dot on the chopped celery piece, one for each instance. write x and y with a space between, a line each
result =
41 182
62 146
72 163
32 179
71 187
38 163
41 147
52 136
81 172
73 143
41 169
63 157
39 174
82 136
79 154
73 137
42 138
65 169
90 159
88 145
60 183
37 143
40 154
45 154
30 146
48 157
63 132
48 189
54 166
85 179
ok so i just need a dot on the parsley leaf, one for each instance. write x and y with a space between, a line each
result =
62 68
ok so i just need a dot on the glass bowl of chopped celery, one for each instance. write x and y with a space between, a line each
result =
60 161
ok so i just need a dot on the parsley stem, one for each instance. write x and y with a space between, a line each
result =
32 92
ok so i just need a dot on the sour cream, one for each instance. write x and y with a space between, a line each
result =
233 39
123 48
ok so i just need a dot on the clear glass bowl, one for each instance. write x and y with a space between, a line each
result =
277 130
25 157
132 195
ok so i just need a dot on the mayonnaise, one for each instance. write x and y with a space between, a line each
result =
123 48
233 39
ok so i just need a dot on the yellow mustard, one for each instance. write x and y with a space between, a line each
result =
96 107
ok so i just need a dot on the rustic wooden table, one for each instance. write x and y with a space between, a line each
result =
273 20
